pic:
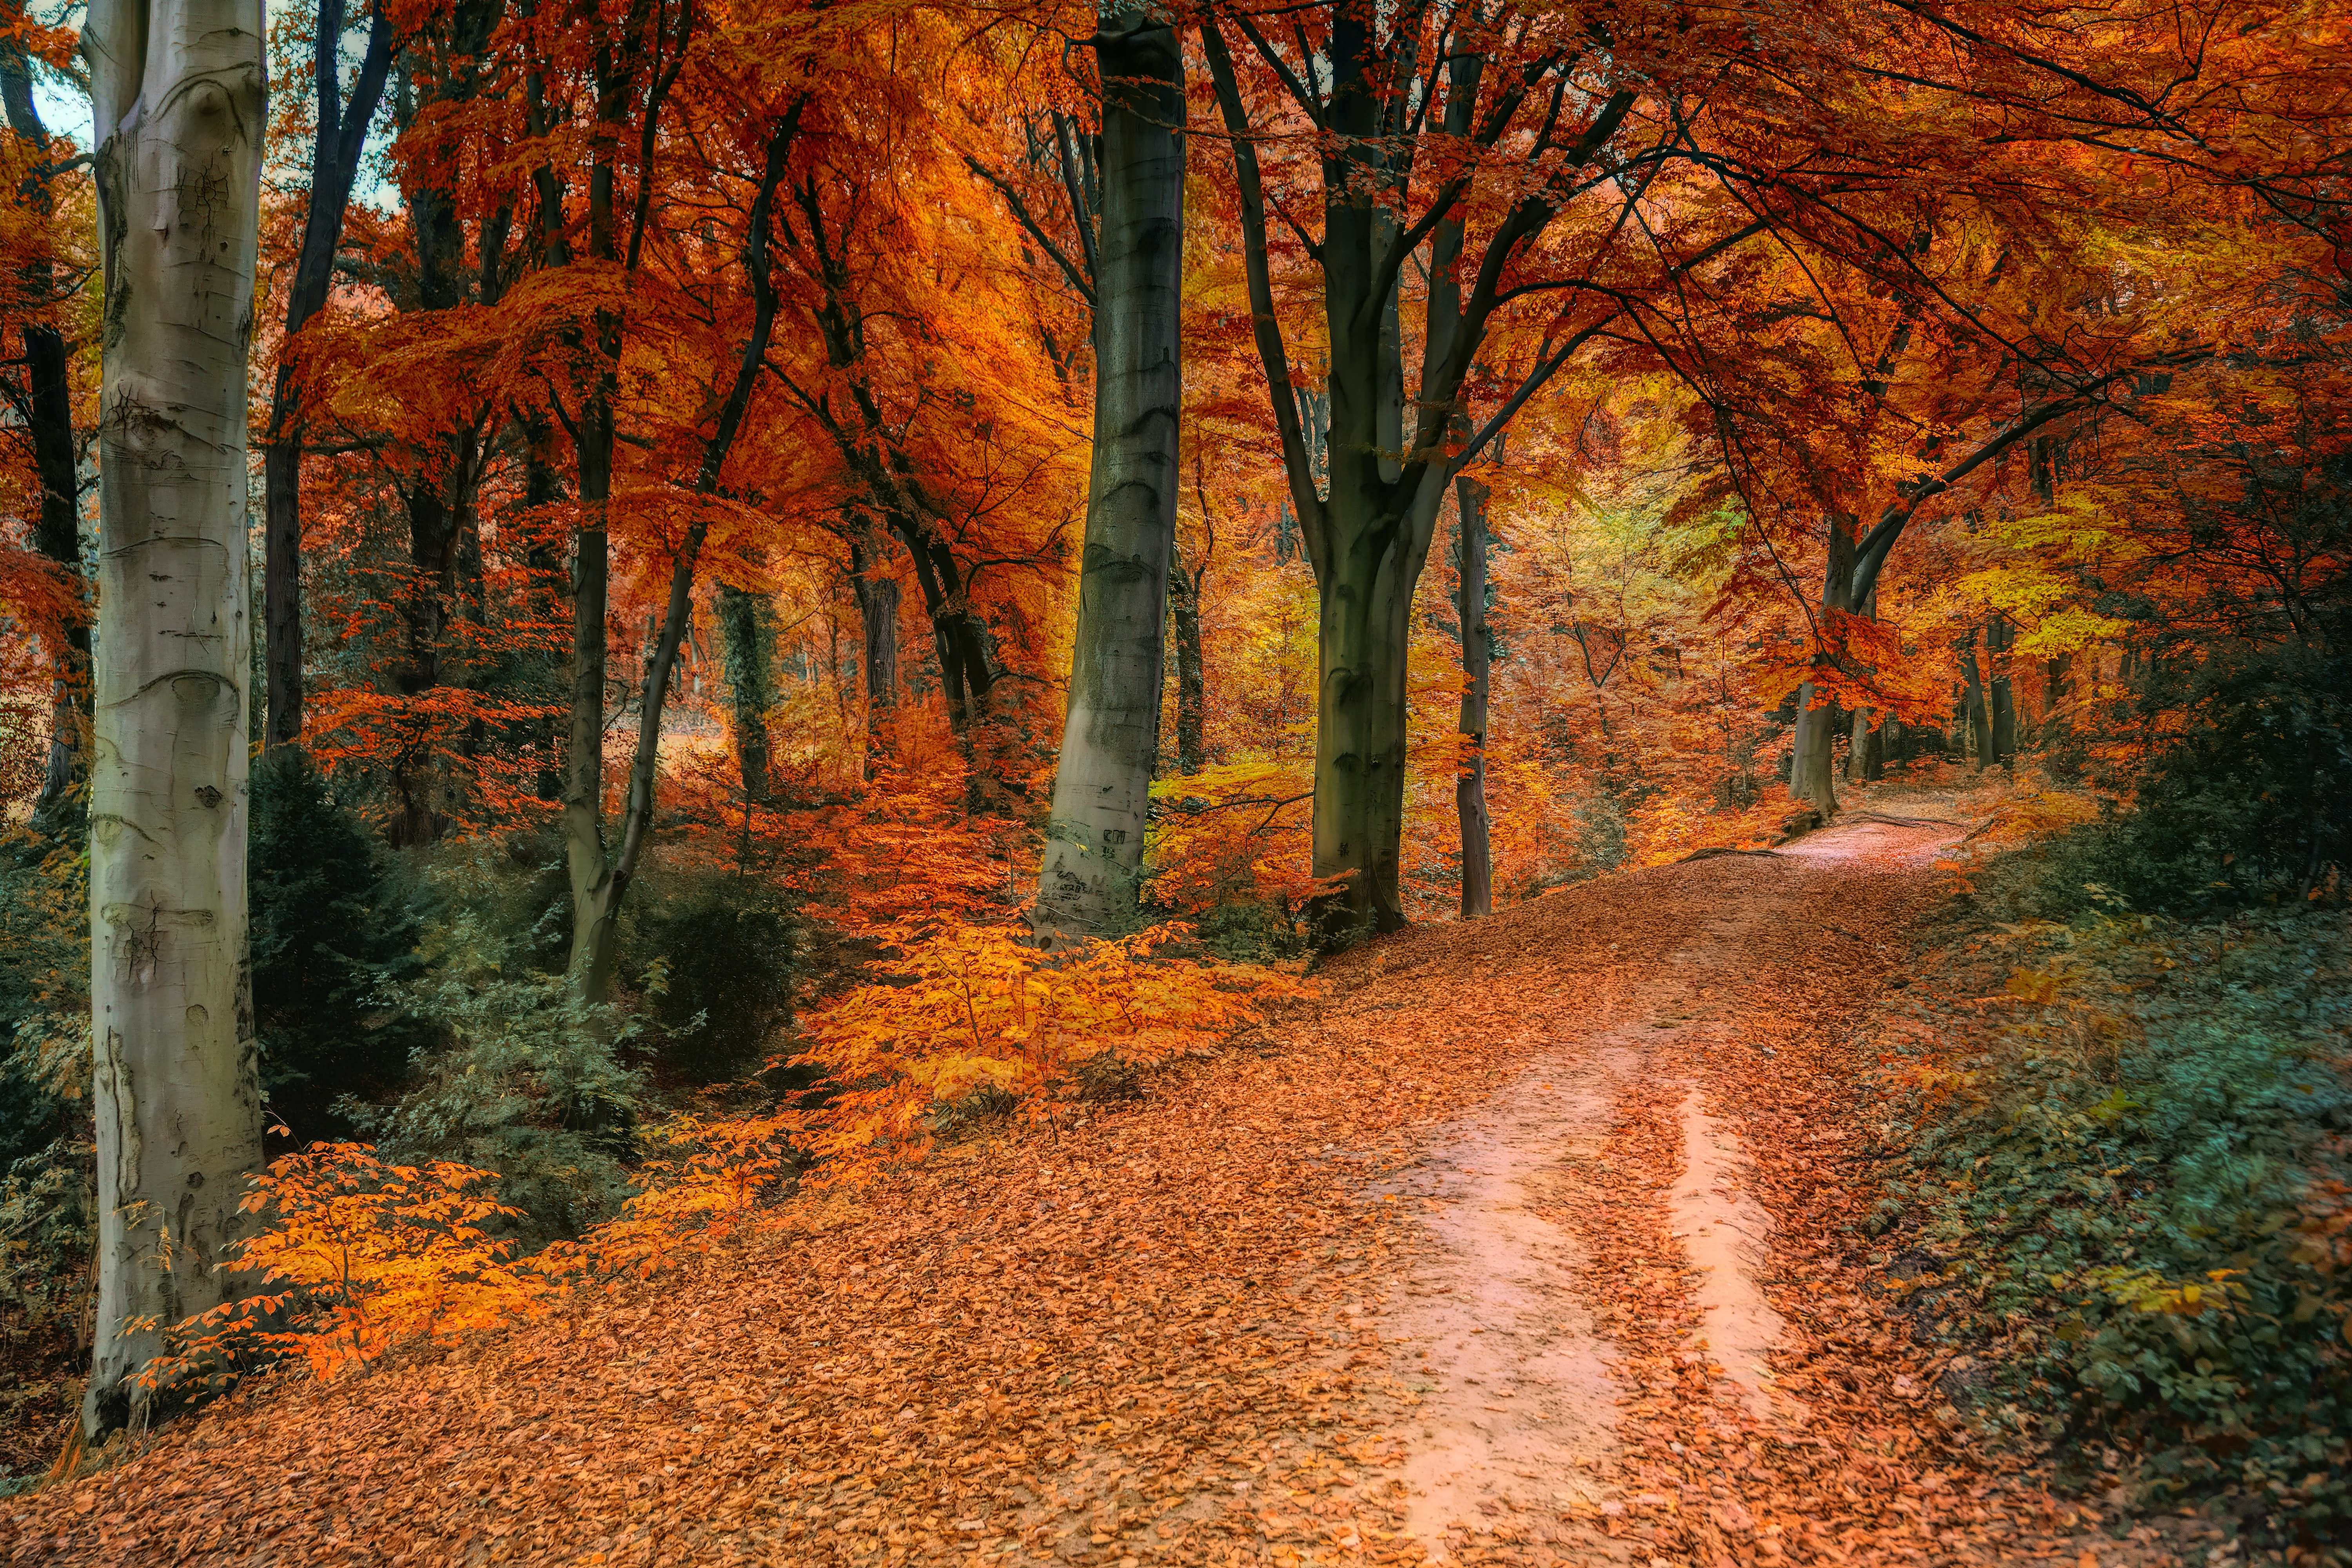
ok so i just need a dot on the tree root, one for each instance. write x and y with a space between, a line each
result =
1711 854
1904 821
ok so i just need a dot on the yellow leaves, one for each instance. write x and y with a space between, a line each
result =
973 1020
2035 986
369 1254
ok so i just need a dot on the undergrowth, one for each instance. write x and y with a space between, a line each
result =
2121 1187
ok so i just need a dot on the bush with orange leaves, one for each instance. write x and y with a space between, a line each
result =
974 1019
355 1257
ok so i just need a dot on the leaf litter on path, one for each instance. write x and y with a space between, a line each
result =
1237 1322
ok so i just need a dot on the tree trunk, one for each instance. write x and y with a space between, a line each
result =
178 87
2057 691
334 166
1811 749
1192 664
1862 763
747 632
2003 699
877 615
49 426
599 878
1092 871
1470 785
1979 732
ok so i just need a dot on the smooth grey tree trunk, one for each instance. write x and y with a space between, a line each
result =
1092 871
180 95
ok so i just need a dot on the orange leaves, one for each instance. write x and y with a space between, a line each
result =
973 1019
367 1254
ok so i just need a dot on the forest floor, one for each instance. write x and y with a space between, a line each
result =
1533 1241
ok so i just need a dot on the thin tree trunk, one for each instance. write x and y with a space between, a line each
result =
1979 732
599 880
47 414
178 87
877 615
1862 761
1092 871
334 166
1192 666
2057 693
1470 784
2002 697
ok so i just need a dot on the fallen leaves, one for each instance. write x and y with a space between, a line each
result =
1156 1332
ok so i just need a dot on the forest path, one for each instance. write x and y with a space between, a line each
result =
1466 1259
1515 1439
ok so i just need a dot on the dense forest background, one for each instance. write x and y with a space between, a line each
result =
671 425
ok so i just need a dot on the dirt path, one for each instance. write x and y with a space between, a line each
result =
1491 1320
1525 1245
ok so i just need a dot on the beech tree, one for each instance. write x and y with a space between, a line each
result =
1478 129
179 93
1102 781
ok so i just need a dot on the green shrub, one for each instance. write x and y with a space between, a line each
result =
43 986
712 952
334 921
1250 931
524 1078
2138 1199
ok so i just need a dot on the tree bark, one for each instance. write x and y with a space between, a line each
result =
600 879
1470 784
1091 876
878 615
1811 749
747 632
1368 538
334 166
178 87
1191 664
47 409
1979 731
2002 696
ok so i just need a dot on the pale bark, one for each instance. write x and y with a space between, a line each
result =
179 93
1092 871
